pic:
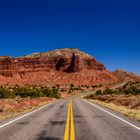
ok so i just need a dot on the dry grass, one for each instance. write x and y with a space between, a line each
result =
131 113
13 107
129 101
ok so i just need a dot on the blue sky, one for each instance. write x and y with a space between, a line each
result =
107 29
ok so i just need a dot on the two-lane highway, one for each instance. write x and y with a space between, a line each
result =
74 120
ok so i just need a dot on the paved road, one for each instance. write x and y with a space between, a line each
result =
90 123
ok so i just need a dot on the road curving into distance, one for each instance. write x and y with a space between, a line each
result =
72 119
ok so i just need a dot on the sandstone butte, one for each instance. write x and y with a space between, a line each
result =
61 66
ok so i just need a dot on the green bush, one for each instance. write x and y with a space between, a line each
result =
132 90
31 92
27 92
89 96
77 88
53 93
99 92
5 93
108 91
71 89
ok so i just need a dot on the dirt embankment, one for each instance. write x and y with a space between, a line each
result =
12 107
129 101
128 105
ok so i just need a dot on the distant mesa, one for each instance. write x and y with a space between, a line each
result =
60 66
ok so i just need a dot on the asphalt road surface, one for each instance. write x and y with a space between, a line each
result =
76 120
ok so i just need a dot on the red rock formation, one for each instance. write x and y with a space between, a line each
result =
63 66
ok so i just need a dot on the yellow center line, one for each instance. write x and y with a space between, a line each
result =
72 133
66 135
69 130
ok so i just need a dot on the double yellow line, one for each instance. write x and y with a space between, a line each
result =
69 130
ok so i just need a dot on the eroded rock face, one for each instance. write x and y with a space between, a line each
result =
70 63
53 64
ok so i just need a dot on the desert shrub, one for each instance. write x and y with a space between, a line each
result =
100 85
108 91
5 93
46 91
89 96
137 91
132 90
31 92
71 89
26 92
53 93
99 92
62 90
58 86
87 86
77 88
34 93
116 91
2 92
94 86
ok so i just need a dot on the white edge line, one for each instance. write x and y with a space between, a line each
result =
1 126
138 128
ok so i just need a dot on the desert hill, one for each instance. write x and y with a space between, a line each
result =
60 66
123 75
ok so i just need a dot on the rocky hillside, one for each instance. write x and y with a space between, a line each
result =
122 75
61 66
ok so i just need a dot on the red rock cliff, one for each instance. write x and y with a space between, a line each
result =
64 61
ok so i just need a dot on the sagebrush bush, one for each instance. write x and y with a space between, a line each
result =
99 92
31 92
5 93
53 93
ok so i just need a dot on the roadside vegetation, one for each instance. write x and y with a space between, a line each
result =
82 88
32 92
125 99
16 100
